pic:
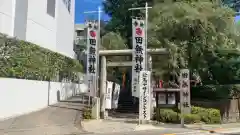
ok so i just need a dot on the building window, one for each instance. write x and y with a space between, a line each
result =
67 4
80 33
51 5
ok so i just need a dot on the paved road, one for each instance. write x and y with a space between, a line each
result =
63 117
159 132
164 132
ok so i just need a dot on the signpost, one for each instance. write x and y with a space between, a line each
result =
92 49
184 94
145 96
93 43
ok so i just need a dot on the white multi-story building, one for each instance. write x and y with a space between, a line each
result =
80 31
47 23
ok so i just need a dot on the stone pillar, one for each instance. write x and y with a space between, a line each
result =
103 82
95 108
153 101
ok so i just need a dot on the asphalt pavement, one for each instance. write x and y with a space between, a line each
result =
155 132
235 133
159 132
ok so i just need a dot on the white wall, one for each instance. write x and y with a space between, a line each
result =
28 95
41 27
6 16
65 28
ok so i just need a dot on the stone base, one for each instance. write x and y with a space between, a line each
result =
96 108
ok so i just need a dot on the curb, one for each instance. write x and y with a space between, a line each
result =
216 130
185 133
225 130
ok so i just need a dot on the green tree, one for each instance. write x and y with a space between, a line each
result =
113 41
121 16
235 4
192 30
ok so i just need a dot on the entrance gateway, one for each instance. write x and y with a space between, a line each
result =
104 64
183 91
103 54
141 62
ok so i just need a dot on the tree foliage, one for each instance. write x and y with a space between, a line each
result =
121 16
197 33
235 4
191 31
113 41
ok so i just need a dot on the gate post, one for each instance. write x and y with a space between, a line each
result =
103 81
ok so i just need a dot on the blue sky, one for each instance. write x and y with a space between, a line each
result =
92 5
87 5
237 18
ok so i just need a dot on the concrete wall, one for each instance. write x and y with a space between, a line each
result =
29 20
20 22
6 16
65 28
41 27
19 96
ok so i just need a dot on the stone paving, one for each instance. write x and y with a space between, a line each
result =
62 118
130 125
107 126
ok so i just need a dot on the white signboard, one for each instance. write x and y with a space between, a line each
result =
108 96
185 91
153 99
171 99
115 96
92 34
138 56
162 99
145 96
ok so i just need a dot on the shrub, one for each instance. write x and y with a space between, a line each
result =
197 110
214 116
209 116
87 113
192 118
202 112
24 60
198 114
167 115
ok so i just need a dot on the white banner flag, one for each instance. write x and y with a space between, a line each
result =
138 56
92 36
115 96
108 96
145 96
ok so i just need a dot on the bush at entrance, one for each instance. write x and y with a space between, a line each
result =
167 115
87 113
199 114
209 116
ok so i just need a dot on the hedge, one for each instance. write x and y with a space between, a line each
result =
25 60
87 113
198 114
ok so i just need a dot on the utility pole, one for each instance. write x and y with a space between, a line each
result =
98 43
146 28
146 67
96 87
